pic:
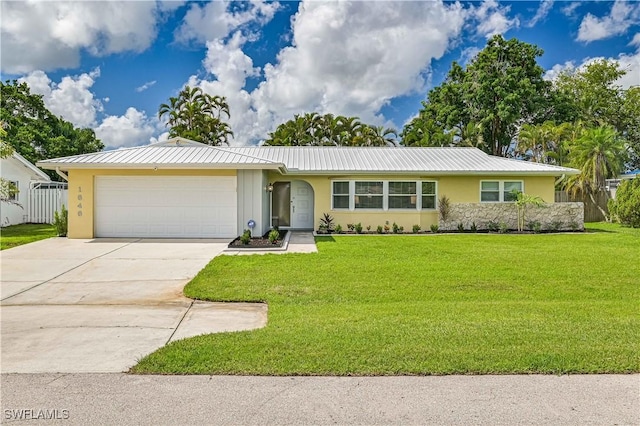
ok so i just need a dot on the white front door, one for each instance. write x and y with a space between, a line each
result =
301 205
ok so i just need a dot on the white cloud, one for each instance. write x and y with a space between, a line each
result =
133 128
50 35
71 98
344 58
542 12
492 18
145 86
214 20
628 62
353 58
622 16
570 9
635 41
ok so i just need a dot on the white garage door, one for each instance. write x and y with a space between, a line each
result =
165 206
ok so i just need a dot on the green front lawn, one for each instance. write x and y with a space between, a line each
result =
439 304
17 235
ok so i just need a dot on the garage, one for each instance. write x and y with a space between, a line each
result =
165 206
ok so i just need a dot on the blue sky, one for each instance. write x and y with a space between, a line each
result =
108 65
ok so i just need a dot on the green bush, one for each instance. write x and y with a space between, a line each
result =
626 207
379 229
61 221
395 228
338 229
246 237
434 228
274 236
416 229
358 228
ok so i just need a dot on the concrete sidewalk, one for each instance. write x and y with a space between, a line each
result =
118 399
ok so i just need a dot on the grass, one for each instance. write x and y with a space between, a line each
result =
17 235
440 304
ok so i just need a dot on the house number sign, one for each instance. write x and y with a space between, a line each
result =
79 201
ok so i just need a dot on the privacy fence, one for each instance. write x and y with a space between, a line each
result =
591 211
45 199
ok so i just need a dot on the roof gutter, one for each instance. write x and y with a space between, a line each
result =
62 175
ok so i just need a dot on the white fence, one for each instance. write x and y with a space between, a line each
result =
44 201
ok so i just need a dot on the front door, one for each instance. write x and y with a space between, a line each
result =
292 205
301 205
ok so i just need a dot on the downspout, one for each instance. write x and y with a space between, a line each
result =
62 175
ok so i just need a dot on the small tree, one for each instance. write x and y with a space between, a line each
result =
522 201
626 206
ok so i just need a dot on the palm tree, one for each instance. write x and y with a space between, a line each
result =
599 153
196 115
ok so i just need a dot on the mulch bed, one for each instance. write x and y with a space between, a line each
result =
259 242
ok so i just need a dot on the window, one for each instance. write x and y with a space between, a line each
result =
509 188
368 195
402 195
383 195
12 190
499 191
428 195
341 195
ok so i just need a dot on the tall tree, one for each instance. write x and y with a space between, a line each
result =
34 132
500 90
599 154
198 116
595 97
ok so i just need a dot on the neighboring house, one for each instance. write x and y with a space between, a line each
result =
185 189
27 178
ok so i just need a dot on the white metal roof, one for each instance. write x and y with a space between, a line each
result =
180 153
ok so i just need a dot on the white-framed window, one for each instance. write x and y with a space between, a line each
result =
499 191
340 195
429 194
369 195
403 195
383 195
14 186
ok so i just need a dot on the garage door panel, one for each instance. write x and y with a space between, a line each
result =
164 206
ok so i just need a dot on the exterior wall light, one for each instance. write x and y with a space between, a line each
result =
270 187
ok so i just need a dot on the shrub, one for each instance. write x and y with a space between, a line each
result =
474 227
493 226
416 229
395 228
401 229
338 229
626 206
504 229
535 226
61 221
368 227
461 227
555 226
274 236
351 226
326 223
246 237
444 208
434 228
386 228
379 229
358 228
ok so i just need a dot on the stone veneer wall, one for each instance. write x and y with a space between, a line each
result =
556 216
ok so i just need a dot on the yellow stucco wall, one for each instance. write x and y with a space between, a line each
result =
459 189
81 193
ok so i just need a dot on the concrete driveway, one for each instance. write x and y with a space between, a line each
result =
100 305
